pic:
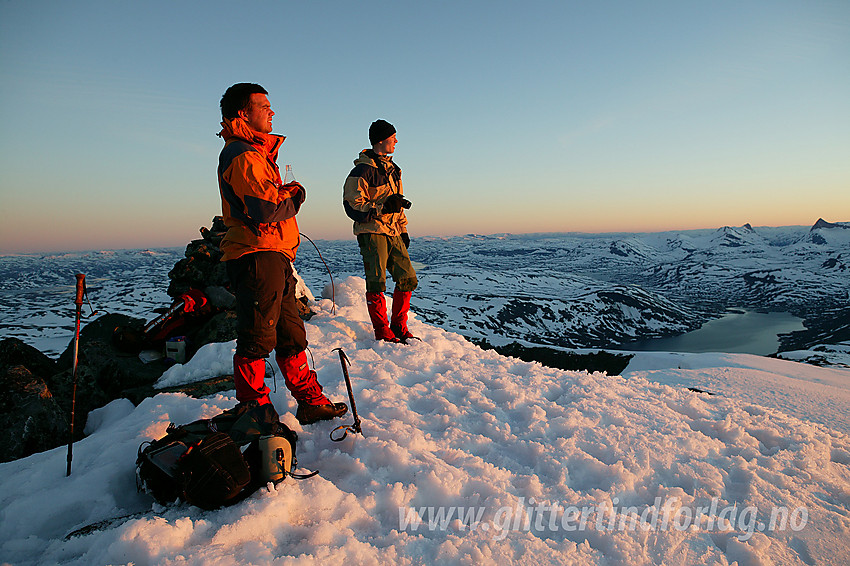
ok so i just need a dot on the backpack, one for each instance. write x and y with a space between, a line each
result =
219 461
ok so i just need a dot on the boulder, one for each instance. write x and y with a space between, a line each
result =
104 373
30 417
220 328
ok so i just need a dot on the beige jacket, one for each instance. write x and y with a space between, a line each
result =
365 190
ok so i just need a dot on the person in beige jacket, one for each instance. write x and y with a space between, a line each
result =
373 197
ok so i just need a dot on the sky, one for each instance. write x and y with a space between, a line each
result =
532 116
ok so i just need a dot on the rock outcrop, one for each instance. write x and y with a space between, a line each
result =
35 412
30 417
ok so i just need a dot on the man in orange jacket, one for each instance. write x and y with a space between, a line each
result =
259 247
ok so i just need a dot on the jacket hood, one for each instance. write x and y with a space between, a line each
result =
239 129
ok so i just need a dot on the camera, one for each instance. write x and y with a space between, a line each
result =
395 202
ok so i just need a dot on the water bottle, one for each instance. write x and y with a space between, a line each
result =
289 177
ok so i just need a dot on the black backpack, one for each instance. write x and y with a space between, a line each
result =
219 461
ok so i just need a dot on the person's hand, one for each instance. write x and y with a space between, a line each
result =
394 203
297 192
405 237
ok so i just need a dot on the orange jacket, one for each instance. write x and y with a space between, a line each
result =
258 211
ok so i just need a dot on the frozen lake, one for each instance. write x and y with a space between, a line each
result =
740 332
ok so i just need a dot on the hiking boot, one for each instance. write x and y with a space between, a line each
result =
242 406
403 334
387 335
309 414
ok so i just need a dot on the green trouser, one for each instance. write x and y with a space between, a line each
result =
382 253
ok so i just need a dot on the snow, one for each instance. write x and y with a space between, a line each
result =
552 289
505 461
211 360
808 392
837 355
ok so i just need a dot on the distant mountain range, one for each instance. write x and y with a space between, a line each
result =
570 290
603 290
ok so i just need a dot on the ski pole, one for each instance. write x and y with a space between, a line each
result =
81 286
356 426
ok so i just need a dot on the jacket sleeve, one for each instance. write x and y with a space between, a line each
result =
401 223
355 197
264 202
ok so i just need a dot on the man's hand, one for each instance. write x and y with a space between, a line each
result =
405 237
394 203
296 192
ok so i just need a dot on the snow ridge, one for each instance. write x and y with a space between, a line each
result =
520 452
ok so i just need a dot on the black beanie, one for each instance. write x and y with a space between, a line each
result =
379 131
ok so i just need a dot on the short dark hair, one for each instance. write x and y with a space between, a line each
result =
237 98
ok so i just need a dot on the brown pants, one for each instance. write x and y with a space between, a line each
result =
266 314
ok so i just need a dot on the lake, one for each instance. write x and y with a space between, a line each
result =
740 332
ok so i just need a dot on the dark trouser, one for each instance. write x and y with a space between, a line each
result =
266 314
381 253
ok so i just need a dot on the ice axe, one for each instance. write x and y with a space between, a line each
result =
343 359
78 300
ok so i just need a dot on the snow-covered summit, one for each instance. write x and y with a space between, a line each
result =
835 234
736 237
823 224
469 457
